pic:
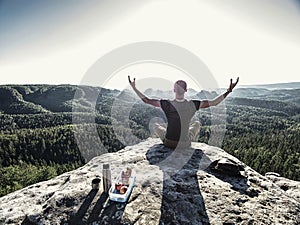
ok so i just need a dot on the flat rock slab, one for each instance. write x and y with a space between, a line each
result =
172 187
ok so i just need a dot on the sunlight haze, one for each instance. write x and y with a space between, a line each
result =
38 46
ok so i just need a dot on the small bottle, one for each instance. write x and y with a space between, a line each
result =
106 174
129 171
125 176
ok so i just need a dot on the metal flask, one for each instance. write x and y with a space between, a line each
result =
106 174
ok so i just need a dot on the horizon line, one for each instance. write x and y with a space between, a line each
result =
113 88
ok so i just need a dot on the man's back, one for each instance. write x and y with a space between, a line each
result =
179 114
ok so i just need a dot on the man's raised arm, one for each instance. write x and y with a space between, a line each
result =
144 98
219 99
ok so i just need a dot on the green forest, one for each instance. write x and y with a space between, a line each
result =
38 133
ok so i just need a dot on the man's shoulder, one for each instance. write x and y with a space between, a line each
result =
191 101
164 101
195 101
185 101
165 104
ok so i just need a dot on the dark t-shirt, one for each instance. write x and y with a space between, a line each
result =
179 115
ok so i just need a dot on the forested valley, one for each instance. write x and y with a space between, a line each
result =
41 127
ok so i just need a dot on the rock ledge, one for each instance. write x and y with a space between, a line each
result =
172 187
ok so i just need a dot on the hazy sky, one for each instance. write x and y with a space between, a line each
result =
57 41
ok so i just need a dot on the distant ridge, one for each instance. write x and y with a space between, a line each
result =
33 99
289 85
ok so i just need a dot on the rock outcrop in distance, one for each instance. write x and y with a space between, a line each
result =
172 187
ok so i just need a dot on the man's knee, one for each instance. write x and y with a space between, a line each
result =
160 131
194 130
195 125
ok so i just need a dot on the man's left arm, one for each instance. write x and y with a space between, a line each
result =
219 99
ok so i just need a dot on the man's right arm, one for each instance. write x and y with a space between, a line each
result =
144 98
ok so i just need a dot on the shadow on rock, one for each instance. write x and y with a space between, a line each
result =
104 211
77 219
230 171
182 201
112 214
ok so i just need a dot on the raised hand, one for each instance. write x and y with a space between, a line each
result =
132 83
232 85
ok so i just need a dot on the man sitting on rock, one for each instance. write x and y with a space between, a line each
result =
179 112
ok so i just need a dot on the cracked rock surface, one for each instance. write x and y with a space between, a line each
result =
172 187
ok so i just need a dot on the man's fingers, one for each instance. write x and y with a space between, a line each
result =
131 82
130 79
237 80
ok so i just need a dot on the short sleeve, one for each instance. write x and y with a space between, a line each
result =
164 105
197 104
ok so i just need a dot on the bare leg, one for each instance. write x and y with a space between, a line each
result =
160 131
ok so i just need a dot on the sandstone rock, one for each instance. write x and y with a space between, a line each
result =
272 174
291 188
172 187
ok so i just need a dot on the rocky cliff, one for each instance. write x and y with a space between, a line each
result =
172 187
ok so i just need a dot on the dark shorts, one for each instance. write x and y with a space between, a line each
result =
175 144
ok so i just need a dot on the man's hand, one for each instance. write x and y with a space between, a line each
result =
132 83
232 85
144 98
